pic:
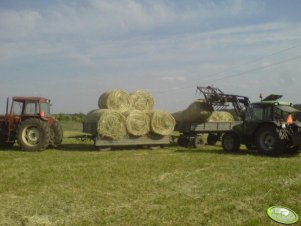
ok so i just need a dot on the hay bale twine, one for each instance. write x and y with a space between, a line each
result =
141 100
197 112
221 116
162 122
118 100
111 124
137 123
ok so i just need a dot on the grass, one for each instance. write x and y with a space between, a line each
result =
76 185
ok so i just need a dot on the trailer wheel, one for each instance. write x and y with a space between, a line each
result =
56 135
198 142
212 139
268 141
183 141
230 142
33 135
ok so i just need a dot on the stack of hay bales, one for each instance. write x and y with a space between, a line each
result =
200 112
122 115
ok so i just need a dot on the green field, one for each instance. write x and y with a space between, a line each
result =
77 185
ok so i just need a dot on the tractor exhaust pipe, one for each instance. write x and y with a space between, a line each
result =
7 104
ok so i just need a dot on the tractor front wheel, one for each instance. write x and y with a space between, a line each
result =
268 141
33 135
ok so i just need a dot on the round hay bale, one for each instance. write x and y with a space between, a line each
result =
162 122
197 112
111 124
141 100
220 116
93 116
137 123
115 100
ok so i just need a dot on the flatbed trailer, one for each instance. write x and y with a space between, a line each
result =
152 141
191 133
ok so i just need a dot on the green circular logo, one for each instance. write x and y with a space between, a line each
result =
282 215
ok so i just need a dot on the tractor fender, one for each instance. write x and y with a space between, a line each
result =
276 125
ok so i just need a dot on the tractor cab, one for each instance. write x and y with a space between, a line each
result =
271 109
30 106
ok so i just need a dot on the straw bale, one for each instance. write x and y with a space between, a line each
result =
197 112
221 116
111 124
137 123
162 122
118 100
141 100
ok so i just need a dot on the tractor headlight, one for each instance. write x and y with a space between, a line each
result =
283 125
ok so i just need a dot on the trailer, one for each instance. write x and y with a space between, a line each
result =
191 134
152 141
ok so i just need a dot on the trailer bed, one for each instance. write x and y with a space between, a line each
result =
150 140
207 127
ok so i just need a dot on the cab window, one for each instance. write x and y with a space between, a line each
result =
17 108
32 109
257 113
45 108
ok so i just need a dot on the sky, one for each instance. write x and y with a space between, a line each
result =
74 50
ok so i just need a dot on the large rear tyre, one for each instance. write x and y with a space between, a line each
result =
230 142
56 135
268 141
33 135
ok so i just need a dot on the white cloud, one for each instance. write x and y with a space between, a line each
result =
151 44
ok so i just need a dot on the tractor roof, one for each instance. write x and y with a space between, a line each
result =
273 99
35 99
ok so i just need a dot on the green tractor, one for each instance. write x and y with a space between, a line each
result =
271 128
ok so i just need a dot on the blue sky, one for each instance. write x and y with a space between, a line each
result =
72 51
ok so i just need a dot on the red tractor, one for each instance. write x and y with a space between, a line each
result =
30 124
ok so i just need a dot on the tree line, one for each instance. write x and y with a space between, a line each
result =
77 117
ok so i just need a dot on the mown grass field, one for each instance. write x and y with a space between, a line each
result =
76 185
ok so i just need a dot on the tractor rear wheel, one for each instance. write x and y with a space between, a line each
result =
56 135
268 141
230 142
33 135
